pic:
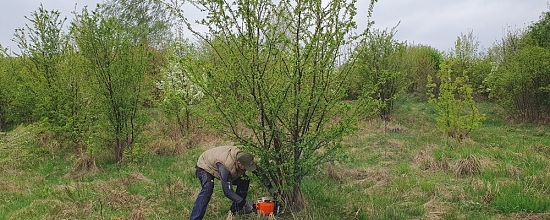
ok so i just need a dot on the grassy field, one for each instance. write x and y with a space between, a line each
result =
405 169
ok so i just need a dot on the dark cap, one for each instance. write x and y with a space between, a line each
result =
247 160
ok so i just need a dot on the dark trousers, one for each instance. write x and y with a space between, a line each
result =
207 187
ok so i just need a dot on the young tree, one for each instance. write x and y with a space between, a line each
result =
148 21
380 60
457 113
42 44
420 61
118 66
470 63
277 87
180 92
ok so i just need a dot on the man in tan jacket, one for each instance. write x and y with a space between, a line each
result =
228 164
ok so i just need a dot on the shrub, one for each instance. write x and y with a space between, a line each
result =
180 92
380 74
457 113
522 83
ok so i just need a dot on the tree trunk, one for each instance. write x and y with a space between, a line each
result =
119 150
1 120
181 124
187 118
294 200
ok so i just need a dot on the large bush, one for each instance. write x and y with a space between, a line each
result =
380 73
419 62
521 81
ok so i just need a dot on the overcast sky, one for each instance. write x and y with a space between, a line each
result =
430 22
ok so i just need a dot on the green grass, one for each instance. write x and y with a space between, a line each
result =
386 175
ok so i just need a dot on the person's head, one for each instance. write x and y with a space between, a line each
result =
245 161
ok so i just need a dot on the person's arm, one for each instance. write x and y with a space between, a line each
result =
226 184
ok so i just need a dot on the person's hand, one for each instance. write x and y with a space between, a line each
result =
249 206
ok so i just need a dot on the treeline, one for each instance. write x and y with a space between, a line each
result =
278 87
514 72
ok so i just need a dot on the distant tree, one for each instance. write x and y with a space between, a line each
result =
520 81
42 44
471 63
522 84
3 51
382 76
17 104
419 62
118 66
148 21
3 89
180 92
539 32
509 45
465 52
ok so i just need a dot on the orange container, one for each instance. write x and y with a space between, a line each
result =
265 206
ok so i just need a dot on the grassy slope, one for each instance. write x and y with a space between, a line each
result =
405 173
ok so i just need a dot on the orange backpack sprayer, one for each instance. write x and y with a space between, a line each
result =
267 206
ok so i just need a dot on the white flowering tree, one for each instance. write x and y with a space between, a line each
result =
180 93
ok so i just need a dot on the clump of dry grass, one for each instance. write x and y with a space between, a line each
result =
490 194
122 199
45 138
392 127
332 173
394 143
11 186
137 214
171 141
229 216
435 209
341 174
425 161
468 167
168 147
134 178
513 171
543 149
84 165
